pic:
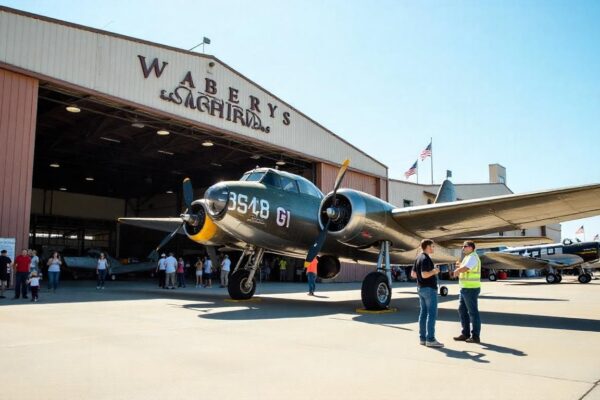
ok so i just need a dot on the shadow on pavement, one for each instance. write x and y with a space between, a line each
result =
464 354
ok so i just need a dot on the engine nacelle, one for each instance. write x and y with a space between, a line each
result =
202 229
328 267
359 219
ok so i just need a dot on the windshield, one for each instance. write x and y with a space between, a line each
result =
252 176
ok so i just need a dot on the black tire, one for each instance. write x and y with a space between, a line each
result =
584 278
493 277
443 291
376 293
237 285
551 278
559 278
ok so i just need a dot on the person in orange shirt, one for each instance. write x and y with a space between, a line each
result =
311 274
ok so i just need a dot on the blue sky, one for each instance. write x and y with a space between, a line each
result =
512 82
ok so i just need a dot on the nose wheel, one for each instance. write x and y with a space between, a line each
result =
242 283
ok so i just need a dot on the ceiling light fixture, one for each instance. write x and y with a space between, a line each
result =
89 178
255 157
110 139
280 162
169 192
137 124
166 152
72 108
55 165
163 132
216 164
63 189
207 143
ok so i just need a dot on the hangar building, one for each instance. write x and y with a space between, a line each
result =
96 126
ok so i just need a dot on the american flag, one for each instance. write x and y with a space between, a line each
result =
580 231
412 170
597 237
427 152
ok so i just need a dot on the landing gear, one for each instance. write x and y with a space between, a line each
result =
242 283
376 292
558 278
493 277
584 278
551 278
443 291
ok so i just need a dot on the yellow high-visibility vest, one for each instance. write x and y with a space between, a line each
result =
471 279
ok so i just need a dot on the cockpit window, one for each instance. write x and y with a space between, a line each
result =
271 179
308 188
252 176
288 184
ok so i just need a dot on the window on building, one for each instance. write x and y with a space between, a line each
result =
407 203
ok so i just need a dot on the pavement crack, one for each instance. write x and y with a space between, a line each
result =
594 386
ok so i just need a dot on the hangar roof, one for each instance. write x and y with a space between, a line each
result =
196 89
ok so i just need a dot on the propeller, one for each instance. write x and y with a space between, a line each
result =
318 244
188 197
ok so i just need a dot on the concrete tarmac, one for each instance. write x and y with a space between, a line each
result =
135 341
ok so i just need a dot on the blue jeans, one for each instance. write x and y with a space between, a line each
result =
428 314
101 277
469 312
312 280
53 279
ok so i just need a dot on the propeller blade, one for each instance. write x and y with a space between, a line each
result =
164 241
340 175
188 193
318 245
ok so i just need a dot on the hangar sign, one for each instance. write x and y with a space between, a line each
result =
207 98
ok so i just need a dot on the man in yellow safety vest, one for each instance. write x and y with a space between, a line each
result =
469 279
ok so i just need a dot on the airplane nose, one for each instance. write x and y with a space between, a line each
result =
217 197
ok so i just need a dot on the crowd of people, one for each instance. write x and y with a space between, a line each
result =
27 273
172 271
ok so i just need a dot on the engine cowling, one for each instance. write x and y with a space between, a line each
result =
201 229
359 219
328 267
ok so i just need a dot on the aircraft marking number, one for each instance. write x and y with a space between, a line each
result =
283 217
239 202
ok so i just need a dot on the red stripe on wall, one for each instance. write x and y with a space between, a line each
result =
18 113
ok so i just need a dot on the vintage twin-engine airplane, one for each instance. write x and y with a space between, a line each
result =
550 257
278 212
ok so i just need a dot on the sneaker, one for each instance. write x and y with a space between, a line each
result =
422 342
461 338
474 339
435 344
36 300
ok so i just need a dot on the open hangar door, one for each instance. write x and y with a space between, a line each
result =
96 160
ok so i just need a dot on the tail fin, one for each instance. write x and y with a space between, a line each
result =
446 194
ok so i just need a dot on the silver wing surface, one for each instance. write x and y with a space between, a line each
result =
447 221
486 242
502 260
158 224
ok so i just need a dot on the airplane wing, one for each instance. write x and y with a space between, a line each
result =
501 260
486 242
446 221
158 224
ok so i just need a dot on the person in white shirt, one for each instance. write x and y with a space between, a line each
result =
160 270
34 284
35 262
101 271
225 268
207 272
199 266
170 268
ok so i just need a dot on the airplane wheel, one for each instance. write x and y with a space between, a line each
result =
443 291
376 293
237 285
558 278
551 278
493 277
584 278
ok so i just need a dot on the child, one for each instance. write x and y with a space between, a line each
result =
34 283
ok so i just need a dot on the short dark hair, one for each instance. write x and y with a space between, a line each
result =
469 243
3 252
425 243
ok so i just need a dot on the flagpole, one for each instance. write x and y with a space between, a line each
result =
417 172
431 143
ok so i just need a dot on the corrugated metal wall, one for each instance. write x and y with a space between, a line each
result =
18 111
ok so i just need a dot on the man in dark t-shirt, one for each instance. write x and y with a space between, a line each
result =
5 261
426 275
